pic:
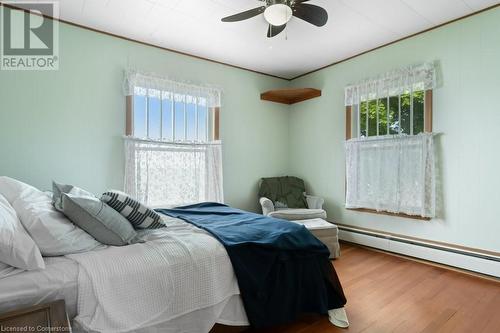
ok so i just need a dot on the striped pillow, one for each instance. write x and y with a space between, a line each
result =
138 214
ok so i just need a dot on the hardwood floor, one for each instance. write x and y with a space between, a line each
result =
386 293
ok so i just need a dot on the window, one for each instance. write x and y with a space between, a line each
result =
172 147
171 117
407 113
389 149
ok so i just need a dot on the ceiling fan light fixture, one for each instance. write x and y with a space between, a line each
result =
278 14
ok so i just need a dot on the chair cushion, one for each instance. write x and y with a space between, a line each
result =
298 214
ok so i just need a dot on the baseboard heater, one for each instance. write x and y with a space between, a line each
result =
467 259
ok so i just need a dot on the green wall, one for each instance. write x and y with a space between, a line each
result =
466 112
68 124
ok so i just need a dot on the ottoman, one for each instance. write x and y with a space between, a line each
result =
326 232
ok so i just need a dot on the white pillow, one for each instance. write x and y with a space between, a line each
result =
6 270
54 234
17 249
10 188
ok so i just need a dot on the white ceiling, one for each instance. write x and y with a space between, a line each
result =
194 27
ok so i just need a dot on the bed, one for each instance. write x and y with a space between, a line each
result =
60 280
208 263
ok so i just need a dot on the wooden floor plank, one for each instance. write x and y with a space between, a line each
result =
386 293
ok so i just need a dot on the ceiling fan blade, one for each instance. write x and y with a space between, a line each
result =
311 13
244 15
300 1
275 30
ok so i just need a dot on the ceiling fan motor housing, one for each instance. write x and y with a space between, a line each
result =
278 12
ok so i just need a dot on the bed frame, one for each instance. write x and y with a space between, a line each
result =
50 317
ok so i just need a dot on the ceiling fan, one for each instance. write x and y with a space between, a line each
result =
278 12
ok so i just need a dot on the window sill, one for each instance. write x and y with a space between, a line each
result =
372 211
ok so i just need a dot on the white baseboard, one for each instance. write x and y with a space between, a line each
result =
468 260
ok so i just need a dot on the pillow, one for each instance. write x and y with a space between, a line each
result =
59 189
98 219
138 214
17 249
6 270
53 233
11 188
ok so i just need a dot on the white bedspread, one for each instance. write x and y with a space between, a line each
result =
178 270
26 288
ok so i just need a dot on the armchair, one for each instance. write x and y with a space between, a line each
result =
285 198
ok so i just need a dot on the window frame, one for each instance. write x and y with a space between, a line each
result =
428 95
213 117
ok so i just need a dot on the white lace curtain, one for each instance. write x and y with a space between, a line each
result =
397 82
165 174
138 83
394 174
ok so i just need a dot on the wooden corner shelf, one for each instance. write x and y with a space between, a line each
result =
290 95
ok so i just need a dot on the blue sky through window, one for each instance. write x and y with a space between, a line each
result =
167 119
156 118
179 121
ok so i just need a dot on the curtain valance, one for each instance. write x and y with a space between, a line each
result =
138 83
393 83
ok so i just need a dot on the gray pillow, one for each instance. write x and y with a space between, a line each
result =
98 219
59 189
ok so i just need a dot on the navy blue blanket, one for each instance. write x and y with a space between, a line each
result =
282 269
